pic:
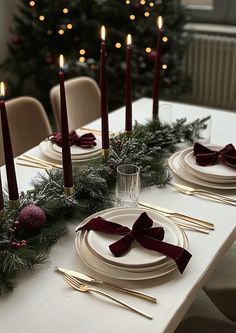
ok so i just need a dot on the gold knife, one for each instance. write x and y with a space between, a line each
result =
91 279
169 212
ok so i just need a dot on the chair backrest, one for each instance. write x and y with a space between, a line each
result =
83 102
28 125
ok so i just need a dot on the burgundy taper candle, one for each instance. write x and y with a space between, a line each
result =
7 146
157 70
128 87
66 154
103 88
1 195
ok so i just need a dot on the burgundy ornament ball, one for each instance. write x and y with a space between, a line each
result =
32 218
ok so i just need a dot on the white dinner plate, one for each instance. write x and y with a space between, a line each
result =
137 256
218 170
128 273
46 149
104 268
187 176
205 177
76 150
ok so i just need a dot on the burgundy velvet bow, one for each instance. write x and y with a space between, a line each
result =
144 234
84 141
206 156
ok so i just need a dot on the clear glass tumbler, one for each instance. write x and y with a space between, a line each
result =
166 113
202 131
128 185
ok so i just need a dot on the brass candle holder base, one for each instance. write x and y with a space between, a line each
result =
69 190
128 133
14 204
105 152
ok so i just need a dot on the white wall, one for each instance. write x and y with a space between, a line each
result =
7 9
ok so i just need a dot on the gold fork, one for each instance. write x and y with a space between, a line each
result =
79 286
191 191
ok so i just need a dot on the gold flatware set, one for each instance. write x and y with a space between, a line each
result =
91 279
35 162
76 281
204 193
193 223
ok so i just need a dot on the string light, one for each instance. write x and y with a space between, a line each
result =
165 39
132 17
41 18
142 2
82 51
151 4
146 14
61 32
164 66
82 59
49 32
32 3
118 45
127 2
69 26
148 49
65 10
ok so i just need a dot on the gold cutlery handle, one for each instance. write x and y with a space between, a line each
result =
33 165
216 197
39 160
192 228
193 220
166 212
129 291
120 302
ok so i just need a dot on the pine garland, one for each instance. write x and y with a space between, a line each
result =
94 182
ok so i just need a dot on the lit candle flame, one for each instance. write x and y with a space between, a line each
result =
61 61
129 39
2 89
103 32
159 22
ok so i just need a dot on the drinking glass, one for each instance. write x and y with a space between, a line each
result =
202 131
166 113
128 185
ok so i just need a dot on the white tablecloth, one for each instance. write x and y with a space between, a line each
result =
44 303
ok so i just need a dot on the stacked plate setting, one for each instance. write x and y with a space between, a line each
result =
220 175
78 154
138 263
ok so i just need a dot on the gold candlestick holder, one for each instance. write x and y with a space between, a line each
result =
105 152
128 133
69 190
14 204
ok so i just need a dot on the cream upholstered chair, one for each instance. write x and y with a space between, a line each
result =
204 317
28 125
221 287
83 101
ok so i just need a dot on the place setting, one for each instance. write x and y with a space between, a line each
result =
129 242
83 146
211 166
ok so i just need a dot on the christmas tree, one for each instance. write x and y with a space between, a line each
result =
44 29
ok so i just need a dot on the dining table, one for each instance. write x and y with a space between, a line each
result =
43 302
